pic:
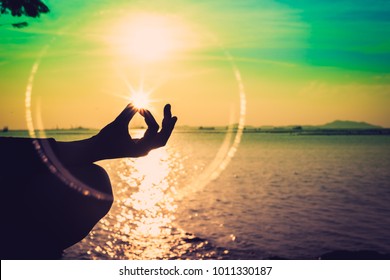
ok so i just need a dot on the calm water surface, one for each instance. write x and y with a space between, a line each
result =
283 196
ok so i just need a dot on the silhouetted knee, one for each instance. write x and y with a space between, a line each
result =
65 214
48 215
80 212
94 176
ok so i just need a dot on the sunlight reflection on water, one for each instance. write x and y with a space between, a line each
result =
152 201
283 196
144 219
140 224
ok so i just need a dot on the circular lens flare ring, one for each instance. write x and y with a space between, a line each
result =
141 98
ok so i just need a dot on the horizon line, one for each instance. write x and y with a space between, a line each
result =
208 127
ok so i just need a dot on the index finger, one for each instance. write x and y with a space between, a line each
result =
127 114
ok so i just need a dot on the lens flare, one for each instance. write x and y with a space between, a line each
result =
140 99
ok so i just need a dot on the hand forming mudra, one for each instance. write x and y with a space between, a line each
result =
114 140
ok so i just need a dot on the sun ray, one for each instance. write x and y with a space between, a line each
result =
140 99
138 96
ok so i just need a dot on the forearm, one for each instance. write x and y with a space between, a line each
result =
78 152
89 150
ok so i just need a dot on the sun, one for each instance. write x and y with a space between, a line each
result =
150 40
148 37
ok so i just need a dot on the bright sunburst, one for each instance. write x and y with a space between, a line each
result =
138 96
140 99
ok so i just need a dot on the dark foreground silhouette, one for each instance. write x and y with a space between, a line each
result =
42 215
355 255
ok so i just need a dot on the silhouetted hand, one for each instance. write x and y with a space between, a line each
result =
114 140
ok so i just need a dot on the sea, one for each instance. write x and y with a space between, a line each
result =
270 196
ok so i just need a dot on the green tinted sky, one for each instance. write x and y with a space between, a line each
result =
302 62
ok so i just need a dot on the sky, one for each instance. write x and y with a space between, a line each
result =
299 62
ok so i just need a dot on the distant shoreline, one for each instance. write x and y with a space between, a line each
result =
323 131
276 130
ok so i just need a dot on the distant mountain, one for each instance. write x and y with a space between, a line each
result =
349 125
